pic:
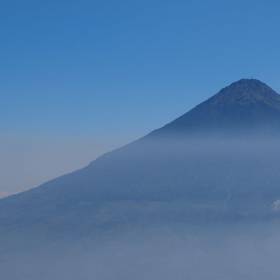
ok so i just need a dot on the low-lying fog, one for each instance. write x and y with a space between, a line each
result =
178 252
140 211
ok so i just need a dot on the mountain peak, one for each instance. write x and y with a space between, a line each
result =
243 105
246 91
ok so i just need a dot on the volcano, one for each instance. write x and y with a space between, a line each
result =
247 105
219 161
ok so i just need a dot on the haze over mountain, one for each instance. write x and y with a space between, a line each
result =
218 162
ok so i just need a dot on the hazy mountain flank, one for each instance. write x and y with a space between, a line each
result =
220 161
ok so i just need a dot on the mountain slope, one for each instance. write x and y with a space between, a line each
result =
218 161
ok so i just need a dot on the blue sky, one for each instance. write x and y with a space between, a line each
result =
93 75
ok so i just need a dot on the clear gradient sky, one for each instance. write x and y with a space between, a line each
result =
79 78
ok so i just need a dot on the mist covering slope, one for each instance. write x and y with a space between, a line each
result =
197 199
218 162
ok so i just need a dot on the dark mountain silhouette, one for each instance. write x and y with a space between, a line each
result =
219 161
247 104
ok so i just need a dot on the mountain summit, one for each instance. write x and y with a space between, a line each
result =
247 104
247 91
